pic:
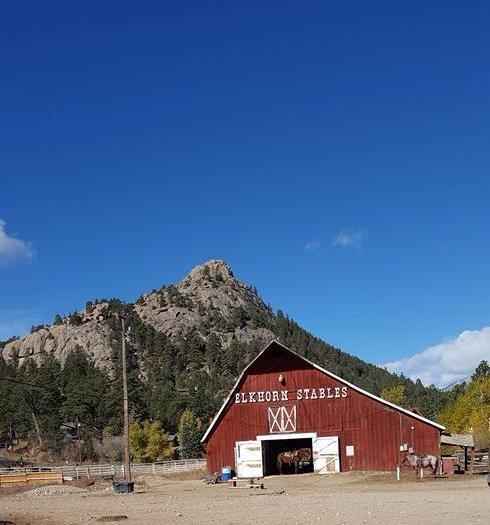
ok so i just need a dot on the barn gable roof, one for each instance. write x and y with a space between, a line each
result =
314 365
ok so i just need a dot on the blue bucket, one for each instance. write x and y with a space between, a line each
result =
226 474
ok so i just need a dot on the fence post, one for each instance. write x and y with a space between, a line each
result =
472 460
76 472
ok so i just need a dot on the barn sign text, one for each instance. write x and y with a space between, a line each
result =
284 395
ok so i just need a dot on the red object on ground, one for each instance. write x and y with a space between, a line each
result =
448 466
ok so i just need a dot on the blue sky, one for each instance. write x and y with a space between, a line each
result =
335 155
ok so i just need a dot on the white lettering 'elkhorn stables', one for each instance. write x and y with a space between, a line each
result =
285 395
282 402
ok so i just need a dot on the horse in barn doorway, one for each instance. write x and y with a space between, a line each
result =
293 458
420 462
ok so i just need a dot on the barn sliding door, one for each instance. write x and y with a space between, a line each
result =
326 455
248 459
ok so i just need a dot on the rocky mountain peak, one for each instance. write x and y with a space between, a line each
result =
214 269
209 299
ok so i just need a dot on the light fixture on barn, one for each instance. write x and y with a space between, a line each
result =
281 379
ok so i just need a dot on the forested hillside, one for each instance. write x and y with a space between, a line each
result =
469 410
188 343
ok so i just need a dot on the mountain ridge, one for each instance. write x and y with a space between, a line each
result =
208 292
201 331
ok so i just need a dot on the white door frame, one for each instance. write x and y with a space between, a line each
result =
289 435
305 435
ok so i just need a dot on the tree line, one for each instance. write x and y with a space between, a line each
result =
175 386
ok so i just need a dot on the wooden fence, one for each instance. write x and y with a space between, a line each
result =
481 462
32 477
114 469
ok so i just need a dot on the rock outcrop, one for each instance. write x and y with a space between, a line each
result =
209 299
92 335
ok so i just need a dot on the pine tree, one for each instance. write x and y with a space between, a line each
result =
84 388
213 353
481 371
190 433
13 409
42 397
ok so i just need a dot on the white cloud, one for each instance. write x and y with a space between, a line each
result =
446 362
313 246
349 238
13 249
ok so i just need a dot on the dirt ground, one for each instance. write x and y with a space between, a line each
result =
348 499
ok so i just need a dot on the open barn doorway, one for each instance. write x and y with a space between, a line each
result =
271 449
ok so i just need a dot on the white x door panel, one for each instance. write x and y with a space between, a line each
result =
282 419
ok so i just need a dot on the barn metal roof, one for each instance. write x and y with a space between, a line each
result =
460 440
358 389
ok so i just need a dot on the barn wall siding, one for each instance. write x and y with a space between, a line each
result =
374 429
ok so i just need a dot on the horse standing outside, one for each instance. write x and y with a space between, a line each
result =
420 462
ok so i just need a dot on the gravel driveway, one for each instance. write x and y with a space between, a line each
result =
348 499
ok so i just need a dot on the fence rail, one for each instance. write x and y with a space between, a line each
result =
114 469
33 477
481 462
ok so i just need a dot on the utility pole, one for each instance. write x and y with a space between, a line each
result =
127 463
77 422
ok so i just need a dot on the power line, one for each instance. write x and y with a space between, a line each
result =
24 383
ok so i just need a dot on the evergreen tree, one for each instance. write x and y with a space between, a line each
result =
13 408
190 434
85 388
481 371
213 353
42 398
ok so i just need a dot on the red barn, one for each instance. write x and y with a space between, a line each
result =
283 402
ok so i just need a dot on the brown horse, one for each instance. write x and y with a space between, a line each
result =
294 457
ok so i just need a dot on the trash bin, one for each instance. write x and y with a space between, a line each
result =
122 487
